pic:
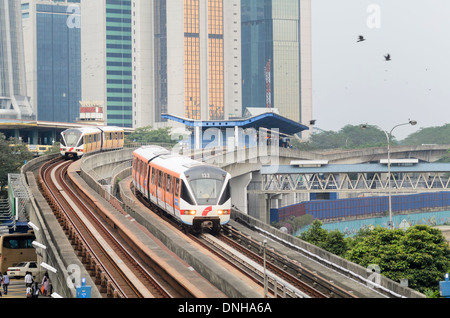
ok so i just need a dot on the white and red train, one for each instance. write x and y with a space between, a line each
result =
77 142
198 195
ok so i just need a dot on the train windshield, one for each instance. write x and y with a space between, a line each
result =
71 137
206 191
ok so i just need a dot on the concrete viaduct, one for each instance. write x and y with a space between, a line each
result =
107 174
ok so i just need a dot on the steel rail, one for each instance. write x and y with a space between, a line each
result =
60 206
55 203
149 278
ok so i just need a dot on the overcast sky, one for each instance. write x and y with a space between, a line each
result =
352 82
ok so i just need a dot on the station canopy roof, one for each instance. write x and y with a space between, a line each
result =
268 120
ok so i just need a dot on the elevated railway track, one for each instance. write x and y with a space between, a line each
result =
282 276
117 267
297 281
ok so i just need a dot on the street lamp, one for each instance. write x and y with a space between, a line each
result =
388 137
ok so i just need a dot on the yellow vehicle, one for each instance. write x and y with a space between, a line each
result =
16 248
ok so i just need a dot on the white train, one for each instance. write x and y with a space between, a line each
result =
196 194
77 142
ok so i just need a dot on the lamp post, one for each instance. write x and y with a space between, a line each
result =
388 137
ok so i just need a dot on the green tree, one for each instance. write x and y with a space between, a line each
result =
350 137
333 242
419 254
315 234
430 135
149 135
12 157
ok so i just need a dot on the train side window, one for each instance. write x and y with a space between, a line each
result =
169 178
160 179
177 187
153 176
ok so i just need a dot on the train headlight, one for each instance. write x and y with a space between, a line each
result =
188 212
223 212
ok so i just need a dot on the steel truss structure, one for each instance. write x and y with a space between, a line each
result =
19 198
355 178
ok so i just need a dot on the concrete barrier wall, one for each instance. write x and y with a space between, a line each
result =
59 252
346 267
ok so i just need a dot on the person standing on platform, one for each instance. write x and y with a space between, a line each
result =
5 281
28 279
35 290
45 284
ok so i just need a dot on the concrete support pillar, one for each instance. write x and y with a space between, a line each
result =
264 207
239 191
197 136
34 137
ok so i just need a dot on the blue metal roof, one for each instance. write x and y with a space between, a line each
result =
267 120
356 168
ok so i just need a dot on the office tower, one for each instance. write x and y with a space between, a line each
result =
276 56
180 57
14 102
107 58
52 36
192 60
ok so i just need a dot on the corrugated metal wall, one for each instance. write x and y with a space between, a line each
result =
361 207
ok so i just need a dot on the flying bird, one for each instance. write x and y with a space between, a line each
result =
361 38
387 57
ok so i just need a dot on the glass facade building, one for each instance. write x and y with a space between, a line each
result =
192 52
202 45
160 52
119 75
271 55
58 63
14 102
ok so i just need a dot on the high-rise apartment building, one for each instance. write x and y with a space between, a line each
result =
52 39
107 53
276 56
14 102
192 59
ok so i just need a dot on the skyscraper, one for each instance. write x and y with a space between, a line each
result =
107 58
52 34
192 58
180 57
14 102
276 56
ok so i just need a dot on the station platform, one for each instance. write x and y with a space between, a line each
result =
17 289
